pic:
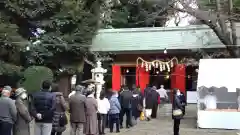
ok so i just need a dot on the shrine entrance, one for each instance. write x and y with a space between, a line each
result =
128 76
158 78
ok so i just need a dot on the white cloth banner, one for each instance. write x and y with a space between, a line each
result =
219 73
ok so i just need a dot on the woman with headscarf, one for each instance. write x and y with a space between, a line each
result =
22 126
59 126
177 109
91 125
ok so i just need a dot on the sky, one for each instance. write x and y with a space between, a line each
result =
184 17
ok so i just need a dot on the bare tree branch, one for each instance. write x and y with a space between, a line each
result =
213 21
89 62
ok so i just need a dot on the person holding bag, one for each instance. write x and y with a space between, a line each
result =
177 109
59 117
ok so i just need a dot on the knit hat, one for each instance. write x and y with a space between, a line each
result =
19 91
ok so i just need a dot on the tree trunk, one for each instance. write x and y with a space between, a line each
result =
64 85
233 32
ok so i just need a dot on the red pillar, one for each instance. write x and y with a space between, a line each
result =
142 77
178 78
116 77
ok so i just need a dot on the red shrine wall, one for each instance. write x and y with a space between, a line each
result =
142 77
178 78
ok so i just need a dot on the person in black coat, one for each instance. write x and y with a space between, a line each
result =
126 106
137 101
155 97
176 105
148 95
183 101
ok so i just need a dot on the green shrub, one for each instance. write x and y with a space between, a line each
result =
34 76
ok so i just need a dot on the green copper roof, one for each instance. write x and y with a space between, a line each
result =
147 39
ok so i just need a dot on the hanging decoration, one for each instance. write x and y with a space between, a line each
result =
162 65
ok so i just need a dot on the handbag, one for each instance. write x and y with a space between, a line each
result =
177 112
159 100
139 107
142 116
63 120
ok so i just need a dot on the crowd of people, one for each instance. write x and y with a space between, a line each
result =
87 114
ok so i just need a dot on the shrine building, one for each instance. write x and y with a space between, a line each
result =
153 55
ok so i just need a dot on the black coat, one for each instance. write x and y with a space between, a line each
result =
137 101
43 102
148 94
155 96
126 99
176 104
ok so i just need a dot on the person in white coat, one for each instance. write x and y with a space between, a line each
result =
103 108
163 95
210 100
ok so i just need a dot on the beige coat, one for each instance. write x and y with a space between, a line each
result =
21 126
91 125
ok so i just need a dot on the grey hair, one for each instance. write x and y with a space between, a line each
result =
79 88
4 92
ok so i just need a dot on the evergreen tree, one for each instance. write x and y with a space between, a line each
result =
139 13
54 33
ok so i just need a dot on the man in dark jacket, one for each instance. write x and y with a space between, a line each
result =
126 105
42 109
148 102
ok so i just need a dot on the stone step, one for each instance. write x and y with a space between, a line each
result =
165 109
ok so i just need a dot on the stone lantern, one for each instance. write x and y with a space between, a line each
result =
97 75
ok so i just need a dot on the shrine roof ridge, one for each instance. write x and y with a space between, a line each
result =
157 29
